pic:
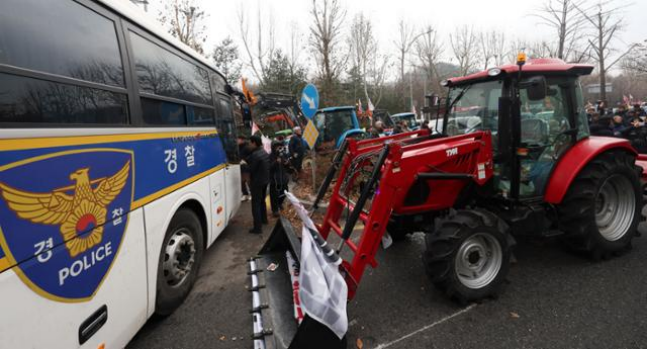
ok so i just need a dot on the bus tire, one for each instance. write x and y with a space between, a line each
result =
179 261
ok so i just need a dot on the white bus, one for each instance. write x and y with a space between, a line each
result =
117 169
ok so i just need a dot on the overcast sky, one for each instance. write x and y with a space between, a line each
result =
513 17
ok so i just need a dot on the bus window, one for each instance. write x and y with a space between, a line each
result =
60 37
163 73
227 128
27 100
156 112
200 116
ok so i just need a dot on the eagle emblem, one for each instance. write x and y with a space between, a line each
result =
82 212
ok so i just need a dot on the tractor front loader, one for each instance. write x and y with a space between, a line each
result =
511 157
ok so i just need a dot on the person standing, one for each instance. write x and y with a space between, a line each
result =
278 176
297 150
636 134
602 127
259 167
244 152
617 125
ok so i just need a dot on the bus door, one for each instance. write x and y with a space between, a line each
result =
232 174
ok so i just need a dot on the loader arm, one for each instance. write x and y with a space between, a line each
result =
444 165
374 179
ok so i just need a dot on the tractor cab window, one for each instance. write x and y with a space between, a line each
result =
332 124
543 127
474 107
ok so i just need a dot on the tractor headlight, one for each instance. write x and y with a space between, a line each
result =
494 71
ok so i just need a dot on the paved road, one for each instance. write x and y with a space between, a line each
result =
554 300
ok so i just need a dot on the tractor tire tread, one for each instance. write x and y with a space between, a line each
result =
577 210
441 244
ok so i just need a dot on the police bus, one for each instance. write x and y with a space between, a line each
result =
117 170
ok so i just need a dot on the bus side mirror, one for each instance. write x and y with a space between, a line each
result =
536 88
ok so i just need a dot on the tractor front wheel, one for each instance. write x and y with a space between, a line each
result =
600 211
468 256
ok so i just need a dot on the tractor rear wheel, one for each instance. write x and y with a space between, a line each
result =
601 209
468 256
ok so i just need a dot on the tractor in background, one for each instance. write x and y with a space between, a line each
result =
512 157
335 124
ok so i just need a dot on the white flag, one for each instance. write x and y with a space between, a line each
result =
370 105
267 144
255 128
322 289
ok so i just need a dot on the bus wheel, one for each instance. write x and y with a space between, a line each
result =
179 262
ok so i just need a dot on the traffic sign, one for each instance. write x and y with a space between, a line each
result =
310 134
309 100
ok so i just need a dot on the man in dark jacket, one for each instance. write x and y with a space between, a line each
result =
296 149
259 166
636 134
244 152
279 163
602 127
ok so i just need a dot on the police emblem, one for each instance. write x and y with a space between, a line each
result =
63 218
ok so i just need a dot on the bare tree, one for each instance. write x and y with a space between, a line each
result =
428 52
635 62
259 45
295 48
404 43
567 22
607 24
328 17
463 42
366 58
184 20
492 47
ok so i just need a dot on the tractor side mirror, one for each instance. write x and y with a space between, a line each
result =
536 87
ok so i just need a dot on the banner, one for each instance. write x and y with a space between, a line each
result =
322 289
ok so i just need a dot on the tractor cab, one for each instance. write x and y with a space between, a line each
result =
408 118
336 124
534 113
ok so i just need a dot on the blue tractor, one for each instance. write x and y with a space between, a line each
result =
336 124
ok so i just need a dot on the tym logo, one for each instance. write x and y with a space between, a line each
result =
451 152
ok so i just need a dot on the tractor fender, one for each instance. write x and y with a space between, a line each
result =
346 134
641 162
575 159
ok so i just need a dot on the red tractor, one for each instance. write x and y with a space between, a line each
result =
512 157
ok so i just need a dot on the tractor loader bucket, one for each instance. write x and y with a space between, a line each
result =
278 320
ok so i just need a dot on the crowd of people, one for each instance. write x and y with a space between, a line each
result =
623 121
262 172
